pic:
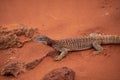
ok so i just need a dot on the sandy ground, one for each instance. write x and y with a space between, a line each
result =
60 19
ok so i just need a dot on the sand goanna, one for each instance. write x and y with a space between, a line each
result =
93 40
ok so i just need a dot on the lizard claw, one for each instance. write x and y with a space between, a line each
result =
57 58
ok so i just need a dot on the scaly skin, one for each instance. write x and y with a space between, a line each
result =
81 43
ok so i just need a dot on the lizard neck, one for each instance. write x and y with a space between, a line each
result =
50 42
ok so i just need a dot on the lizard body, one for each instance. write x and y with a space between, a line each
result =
74 44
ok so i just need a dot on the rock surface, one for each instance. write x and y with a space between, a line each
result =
13 69
9 35
63 73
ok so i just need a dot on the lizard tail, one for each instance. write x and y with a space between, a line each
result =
111 39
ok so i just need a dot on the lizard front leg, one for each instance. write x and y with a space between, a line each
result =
61 56
98 47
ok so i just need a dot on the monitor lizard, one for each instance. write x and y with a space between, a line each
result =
64 46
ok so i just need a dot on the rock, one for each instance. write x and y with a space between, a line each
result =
13 69
63 73
10 35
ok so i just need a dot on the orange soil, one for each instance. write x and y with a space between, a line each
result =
62 19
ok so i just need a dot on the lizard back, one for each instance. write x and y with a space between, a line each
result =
85 42
74 43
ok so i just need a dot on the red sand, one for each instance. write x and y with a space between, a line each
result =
62 19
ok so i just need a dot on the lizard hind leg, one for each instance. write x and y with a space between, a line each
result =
61 56
98 47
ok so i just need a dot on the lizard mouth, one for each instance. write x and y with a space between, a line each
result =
44 42
40 41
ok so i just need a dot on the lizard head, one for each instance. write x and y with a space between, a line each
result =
43 39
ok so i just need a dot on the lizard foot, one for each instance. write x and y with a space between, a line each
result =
57 58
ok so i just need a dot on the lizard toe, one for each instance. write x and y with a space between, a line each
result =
57 58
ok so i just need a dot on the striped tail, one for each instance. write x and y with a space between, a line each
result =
110 39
